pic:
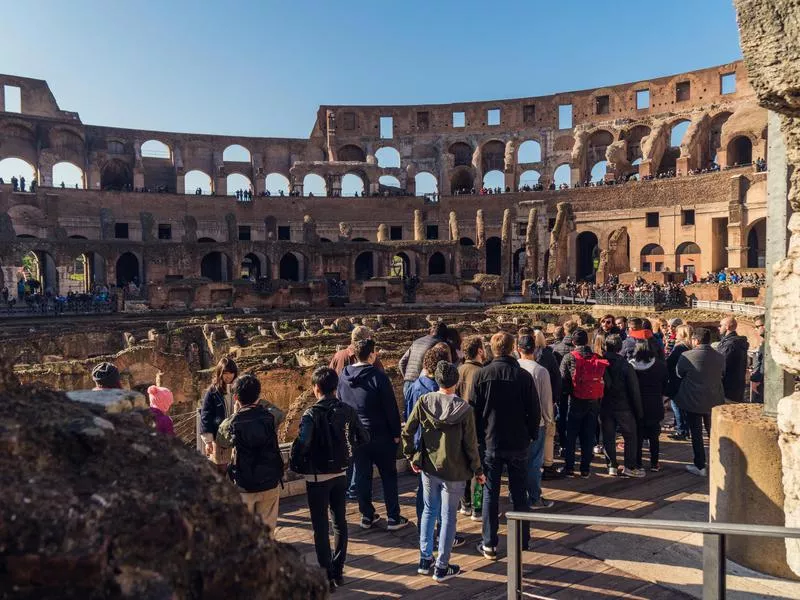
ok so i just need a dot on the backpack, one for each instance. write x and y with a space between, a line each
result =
587 381
330 450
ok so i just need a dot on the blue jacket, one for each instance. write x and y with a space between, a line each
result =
370 393
416 390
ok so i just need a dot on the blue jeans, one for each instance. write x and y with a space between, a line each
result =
351 480
535 462
581 424
517 465
681 426
441 498
382 454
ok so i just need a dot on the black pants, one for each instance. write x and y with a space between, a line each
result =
625 422
381 453
561 421
649 431
322 496
581 425
695 422
517 466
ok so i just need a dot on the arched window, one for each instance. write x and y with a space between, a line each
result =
677 133
740 151
289 268
400 267
364 268
426 184
236 182
197 180
277 183
587 255
352 184
69 175
562 175
462 154
216 266
461 181
688 248
388 157
313 184
465 241
116 175
437 264
687 258
599 171
529 178
494 179
127 269
16 167
155 149
652 258
236 153
389 181
529 152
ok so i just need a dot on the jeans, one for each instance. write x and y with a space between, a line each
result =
581 424
322 496
382 454
626 423
680 420
441 498
517 466
351 480
535 461
695 423
649 431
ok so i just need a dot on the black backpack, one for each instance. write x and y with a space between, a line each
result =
330 451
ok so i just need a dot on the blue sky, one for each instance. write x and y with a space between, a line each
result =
262 68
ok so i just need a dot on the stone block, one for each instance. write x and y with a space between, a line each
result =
112 401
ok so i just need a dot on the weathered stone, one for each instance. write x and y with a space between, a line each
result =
112 401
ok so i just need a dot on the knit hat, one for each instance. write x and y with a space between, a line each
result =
160 397
675 322
106 375
446 374
526 343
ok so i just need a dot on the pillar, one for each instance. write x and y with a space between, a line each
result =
181 184
221 186
682 166
505 268
419 227
480 229
383 232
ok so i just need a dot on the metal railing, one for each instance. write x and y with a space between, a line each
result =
732 307
713 543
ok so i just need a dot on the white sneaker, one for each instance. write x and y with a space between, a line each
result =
635 473
695 471
613 471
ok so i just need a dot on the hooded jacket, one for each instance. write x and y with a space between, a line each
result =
652 377
546 357
370 393
622 388
416 390
629 344
734 348
347 356
448 448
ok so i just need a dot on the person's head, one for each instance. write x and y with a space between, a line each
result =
607 323
580 337
446 376
599 343
727 325
539 339
570 327
683 334
439 330
559 333
621 323
453 337
365 351
160 398
646 324
246 389
524 331
635 324
324 382
106 377
760 326
701 335
613 343
435 354
526 344
360 332
472 347
642 351
225 372
673 324
502 344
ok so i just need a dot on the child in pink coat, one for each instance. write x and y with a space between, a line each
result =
160 401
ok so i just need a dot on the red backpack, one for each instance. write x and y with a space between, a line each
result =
587 381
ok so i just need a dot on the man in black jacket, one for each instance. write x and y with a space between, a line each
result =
370 393
410 364
507 416
734 348
256 464
561 349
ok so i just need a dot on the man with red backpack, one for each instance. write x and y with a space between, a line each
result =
585 379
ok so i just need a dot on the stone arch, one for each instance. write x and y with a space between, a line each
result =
155 149
651 258
529 178
596 146
757 244
290 267
687 258
254 266
19 141
677 133
236 181
598 171
530 151
494 179
425 183
462 180
740 151
389 181
562 175
275 183
116 175
633 138
198 180
40 266
587 255
236 153
364 266
216 266
351 153
388 157
494 255
462 154
13 166
437 264
715 134
68 175
128 268
400 266
465 241
28 220
493 155
353 184
314 185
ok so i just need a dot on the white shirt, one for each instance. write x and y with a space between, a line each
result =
541 379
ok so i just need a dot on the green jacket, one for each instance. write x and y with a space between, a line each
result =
448 445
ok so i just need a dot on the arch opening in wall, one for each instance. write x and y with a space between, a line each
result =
633 138
494 180
155 149
529 179
127 269
598 172
236 182
351 153
39 270
493 156
465 241
687 259
17 167
562 176
289 267
494 256
352 185
68 175
519 267
596 146
390 181
757 245
587 256
740 151
206 240
251 267
388 157
236 153
116 175
634 172
197 180
652 258
530 151
216 266
364 267
426 184
400 266
715 135
437 265
462 154
314 185
462 181
677 132
275 183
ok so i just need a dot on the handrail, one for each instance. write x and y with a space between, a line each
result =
713 543
734 307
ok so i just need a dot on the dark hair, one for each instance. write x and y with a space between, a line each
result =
570 327
453 337
559 333
435 354
646 324
607 317
623 317
580 337
439 330
363 348
246 389
325 379
642 351
613 343
635 323
702 335
524 331
471 346
225 365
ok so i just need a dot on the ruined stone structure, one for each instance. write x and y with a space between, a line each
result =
194 250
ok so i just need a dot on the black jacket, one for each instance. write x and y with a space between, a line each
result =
410 363
256 465
370 393
673 381
734 348
562 348
212 413
652 377
757 376
567 371
549 362
507 411
622 388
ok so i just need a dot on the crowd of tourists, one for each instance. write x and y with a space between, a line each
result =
722 277
34 299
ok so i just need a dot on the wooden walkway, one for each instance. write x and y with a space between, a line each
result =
381 564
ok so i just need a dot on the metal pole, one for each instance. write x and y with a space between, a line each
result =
514 540
713 566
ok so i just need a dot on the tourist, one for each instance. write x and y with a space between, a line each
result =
652 377
410 364
561 349
637 331
672 325
369 391
701 370
256 466
683 340
106 377
217 405
543 355
507 416
607 326
474 359
622 325
734 348
757 372
526 347
445 459
583 376
160 401
347 356
322 452
620 410
453 339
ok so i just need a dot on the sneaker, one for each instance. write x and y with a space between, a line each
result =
465 510
695 471
395 524
635 473
542 503
487 552
613 471
585 474
678 437
367 523
599 451
564 473
332 586
351 496
425 566
339 581
458 541
476 516
550 473
655 468
448 572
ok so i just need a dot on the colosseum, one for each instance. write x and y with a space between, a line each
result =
662 175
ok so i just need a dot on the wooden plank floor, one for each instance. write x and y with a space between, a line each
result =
382 564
